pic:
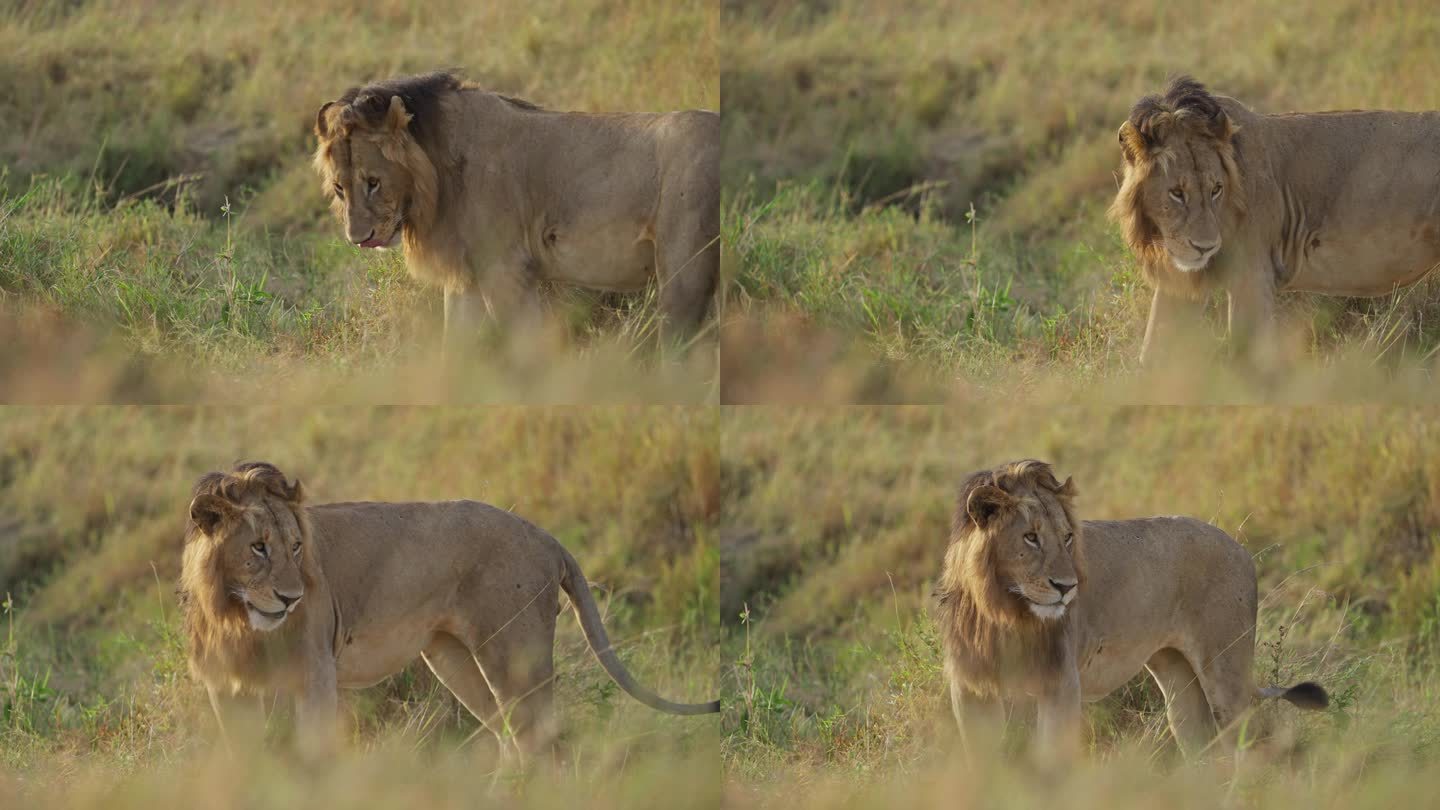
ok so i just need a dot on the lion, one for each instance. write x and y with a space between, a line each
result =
1214 196
491 195
290 598
1037 607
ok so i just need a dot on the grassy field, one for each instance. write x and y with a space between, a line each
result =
836 520
156 196
100 711
936 181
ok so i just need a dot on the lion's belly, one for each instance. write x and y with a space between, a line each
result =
1108 668
374 653
619 259
1371 263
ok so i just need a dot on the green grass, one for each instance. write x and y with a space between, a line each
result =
935 182
157 193
835 523
95 693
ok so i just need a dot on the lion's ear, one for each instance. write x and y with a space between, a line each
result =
988 502
211 511
1067 489
296 494
1132 143
1223 128
325 120
397 118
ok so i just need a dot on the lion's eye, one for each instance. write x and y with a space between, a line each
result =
260 549
1177 194
339 192
1032 539
372 185
1069 538
295 549
1218 188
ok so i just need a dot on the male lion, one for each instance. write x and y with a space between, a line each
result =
491 195
304 599
1037 607
1215 196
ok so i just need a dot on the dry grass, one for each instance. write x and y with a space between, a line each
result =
99 707
835 523
157 197
935 181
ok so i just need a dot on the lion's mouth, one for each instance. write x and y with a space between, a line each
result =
1054 609
274 617
389 241
1194 265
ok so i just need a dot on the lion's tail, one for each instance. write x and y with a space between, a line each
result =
575 585
1306 695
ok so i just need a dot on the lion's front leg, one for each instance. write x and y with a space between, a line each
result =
239 720
465 314
317 709
1253 333
1059 718
983 722
1174 322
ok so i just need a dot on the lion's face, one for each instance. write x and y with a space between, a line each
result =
1184 197
1182 184
377 177
367 193
252 550
1031 540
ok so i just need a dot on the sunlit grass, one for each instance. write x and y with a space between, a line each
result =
98 705
945 203
836 525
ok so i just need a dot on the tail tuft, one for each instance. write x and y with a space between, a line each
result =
1308 695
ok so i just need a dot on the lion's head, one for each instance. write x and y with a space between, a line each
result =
372 156
1013 569
1181 182
247 565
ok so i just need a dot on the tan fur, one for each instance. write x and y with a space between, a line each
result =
1138 604
1293 212
492 195
473 588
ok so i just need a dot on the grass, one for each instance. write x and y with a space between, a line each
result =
946 204
157 196
98 705
835 522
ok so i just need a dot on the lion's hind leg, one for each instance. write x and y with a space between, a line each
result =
518 660
1186 707
458 670
687 257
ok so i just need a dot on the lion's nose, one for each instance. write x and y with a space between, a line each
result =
288 600
372 236
1199 248
1062 587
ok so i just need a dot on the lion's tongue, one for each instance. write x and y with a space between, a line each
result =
372 243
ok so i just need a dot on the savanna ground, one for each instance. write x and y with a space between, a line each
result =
162 234
935 181
99 710
836 521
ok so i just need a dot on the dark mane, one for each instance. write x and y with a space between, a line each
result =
421 95
1011 477
1183 100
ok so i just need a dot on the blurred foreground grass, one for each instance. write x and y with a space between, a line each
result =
835 522
156 192
98 707
936 180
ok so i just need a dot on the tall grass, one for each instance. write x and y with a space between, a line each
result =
836 520
97 701
935 181
157 192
